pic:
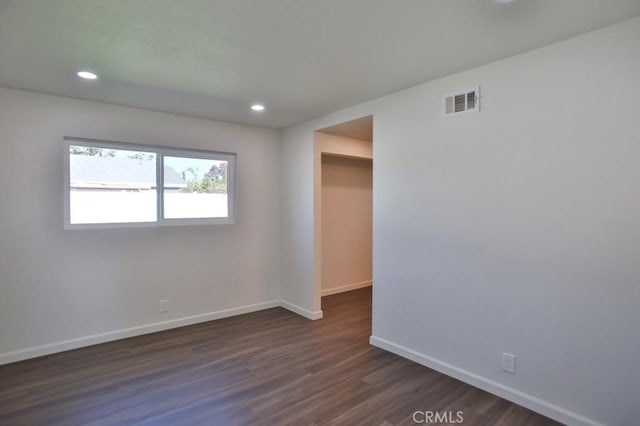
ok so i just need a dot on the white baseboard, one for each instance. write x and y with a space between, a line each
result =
312 315
531 402
348 287
95 339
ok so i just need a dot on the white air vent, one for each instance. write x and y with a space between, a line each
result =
461 102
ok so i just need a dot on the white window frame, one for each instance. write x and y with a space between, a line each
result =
160 152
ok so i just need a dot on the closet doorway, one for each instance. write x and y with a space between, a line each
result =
347 202
344 207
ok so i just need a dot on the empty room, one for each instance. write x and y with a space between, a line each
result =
291 212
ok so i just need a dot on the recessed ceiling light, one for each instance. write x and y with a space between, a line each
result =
503 1
257 107
87 75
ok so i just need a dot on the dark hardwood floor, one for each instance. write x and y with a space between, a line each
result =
266 368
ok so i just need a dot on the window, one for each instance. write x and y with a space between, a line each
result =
198 191
111 184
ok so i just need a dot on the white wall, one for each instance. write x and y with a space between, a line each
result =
296 249
347 198
514 229
62 289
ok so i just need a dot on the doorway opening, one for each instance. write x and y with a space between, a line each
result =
343 199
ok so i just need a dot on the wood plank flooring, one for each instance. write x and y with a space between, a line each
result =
265 368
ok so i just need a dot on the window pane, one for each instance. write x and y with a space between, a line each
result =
195 188
111 185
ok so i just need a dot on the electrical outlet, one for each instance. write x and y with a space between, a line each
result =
508 363
164 305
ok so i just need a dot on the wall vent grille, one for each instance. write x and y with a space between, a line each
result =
461 102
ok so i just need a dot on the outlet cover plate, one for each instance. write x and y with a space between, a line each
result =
508 363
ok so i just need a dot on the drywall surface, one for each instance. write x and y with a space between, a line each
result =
66 286
346 223
514 229
296 189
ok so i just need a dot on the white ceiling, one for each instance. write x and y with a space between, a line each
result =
302 58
